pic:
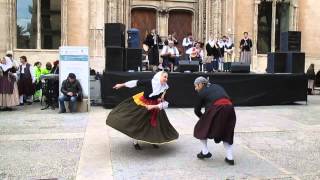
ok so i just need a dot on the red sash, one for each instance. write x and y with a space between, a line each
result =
222 101
154 112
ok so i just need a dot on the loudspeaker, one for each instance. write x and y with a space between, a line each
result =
133 58
295 62
239 67
277 62
290 41
114 34
186 65
133 38
114 59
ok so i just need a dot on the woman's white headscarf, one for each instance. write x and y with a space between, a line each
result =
229 43
157 87
7 65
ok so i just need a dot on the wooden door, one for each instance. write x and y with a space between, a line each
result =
180 22
143 19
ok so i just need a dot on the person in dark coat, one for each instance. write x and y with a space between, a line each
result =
72 91
142 116
154 42
219 119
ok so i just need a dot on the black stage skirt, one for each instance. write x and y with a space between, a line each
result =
218 123
133 119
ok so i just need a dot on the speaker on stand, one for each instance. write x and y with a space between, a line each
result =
115 59
115 34
277 62
133 59
115 44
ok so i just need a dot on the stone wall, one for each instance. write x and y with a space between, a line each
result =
83 24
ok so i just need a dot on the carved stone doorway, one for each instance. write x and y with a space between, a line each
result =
143 19
180 22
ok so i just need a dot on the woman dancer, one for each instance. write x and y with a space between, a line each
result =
142 117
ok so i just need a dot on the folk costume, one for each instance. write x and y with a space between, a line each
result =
170 56
228 48
213 51
26 82
9 96
132 118
153 41
245 45
217 122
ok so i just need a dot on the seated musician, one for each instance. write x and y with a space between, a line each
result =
196 53
170 55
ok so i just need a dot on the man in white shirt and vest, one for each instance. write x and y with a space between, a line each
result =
170 55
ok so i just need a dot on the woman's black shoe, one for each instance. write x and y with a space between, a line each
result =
137 147
230 162
155 146
202 156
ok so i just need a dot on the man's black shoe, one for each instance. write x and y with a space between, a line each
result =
230 162
137 147
202 156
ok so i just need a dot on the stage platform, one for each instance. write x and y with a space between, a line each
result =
245 89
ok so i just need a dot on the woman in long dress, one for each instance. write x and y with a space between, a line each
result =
9 96
245 46
142 117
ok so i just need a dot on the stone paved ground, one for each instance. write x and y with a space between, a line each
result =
272 142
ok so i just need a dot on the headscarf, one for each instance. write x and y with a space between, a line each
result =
8 64
202 80
229 43
157 87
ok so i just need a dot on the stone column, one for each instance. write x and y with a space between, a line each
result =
255 27
64 22
6 37
255 60
208 18
201 20
224 19
294 16
273 26
78 23
162 21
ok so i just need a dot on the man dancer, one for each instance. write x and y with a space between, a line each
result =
218 120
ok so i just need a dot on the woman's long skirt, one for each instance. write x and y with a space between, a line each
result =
134 120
